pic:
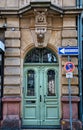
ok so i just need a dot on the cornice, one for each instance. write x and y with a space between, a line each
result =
48 5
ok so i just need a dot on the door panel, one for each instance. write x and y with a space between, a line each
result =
41 99
51 102
30 100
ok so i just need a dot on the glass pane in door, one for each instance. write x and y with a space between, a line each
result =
30 83
51 82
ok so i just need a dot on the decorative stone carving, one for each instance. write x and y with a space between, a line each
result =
40 18
24 2
57 2
41 38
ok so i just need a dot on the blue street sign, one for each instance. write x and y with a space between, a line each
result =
68 50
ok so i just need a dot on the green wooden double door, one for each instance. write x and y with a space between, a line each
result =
41 95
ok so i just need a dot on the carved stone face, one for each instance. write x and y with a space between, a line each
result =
40 38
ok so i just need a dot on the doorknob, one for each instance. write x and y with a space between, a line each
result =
40 98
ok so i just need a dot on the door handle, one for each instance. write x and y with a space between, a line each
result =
40 98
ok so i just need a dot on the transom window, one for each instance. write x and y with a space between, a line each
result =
40 55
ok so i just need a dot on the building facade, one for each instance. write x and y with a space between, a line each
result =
33 83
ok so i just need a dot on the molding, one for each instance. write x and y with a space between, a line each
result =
11 99
49 5
66 99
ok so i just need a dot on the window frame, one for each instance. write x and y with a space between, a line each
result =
41 53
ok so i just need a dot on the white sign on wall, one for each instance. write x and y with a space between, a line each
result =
69 75
2 47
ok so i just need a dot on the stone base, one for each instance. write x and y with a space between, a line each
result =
66 107
11 123
11 112
76 124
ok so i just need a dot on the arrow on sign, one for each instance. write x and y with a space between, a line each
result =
62 51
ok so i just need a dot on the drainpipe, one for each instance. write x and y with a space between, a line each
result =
80 65
79 3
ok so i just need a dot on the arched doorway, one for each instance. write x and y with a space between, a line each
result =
41 88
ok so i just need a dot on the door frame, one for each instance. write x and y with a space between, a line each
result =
27 50
44 64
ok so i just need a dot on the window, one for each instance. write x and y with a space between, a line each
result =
40 55
30 83
51 82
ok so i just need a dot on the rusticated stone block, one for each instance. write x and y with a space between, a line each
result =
11 70
12 43
73 59
74 90
70 42
12 52
12 22
11 106
66 107
74 81
14 90
12 34
69 33
69 3
11 80
12 61
69 21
